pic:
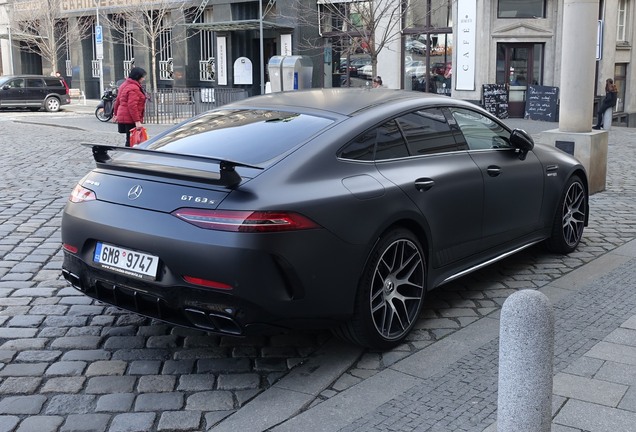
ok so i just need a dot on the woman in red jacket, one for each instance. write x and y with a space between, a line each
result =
130 103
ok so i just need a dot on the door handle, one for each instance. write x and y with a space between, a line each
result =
424 184
493 171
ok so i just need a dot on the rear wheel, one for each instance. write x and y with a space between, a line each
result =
52 104
390 294
569 220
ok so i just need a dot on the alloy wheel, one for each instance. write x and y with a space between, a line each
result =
574 213
397 289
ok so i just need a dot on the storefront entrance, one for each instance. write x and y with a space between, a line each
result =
519 65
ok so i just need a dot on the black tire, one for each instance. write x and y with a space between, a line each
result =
569 218
52 104
390 293
101 116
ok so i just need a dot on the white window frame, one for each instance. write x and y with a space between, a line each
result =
621 21
129 49
207 60
166 69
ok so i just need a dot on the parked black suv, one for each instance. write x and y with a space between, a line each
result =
33 92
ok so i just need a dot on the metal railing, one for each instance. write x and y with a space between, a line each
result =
168 106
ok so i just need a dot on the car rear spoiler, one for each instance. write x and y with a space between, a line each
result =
227 175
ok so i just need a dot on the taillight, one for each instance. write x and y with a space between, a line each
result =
245 221
81 194
207 283
70 248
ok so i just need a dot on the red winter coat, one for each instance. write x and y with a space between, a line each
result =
130 103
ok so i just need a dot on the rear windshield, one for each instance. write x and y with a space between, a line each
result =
248 136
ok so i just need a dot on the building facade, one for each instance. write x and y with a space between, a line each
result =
452 47
182 44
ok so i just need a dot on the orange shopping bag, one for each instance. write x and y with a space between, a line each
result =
138 135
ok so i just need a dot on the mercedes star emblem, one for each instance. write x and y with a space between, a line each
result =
135 192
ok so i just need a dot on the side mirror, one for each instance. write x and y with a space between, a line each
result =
522 141
6 87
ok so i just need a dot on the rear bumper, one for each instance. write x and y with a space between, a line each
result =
302 279
180 305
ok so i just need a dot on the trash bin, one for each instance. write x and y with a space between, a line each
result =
297 72
274 69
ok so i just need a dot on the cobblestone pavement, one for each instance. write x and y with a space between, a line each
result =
68 363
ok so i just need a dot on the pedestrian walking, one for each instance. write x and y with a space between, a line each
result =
377 82
130 103
608 102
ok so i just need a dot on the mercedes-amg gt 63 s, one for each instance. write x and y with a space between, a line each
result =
325 208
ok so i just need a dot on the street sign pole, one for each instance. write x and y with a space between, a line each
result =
99 48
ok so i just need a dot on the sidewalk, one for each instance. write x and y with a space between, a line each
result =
452 384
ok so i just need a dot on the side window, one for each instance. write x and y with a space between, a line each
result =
383 142
35 83
390 143
427 132
16 83
53 82
479 131
361 148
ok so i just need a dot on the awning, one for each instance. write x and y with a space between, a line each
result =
228 26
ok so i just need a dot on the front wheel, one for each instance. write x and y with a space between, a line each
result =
101 115
569 220
390 293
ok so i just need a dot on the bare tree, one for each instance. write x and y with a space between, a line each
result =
151 22
41 27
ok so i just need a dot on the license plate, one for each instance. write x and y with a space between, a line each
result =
125 261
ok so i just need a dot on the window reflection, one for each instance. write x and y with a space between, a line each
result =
428 46
428 65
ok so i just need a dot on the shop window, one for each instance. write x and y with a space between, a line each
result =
434 76
620 75
521 9
428 46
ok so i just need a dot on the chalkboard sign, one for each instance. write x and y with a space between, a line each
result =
495 99
542 103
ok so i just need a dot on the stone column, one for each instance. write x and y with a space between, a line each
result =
575 134
578 65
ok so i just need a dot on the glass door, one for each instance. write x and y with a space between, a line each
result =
518 65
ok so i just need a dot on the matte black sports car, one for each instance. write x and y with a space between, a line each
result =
335 208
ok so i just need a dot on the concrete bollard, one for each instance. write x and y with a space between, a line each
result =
526 352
